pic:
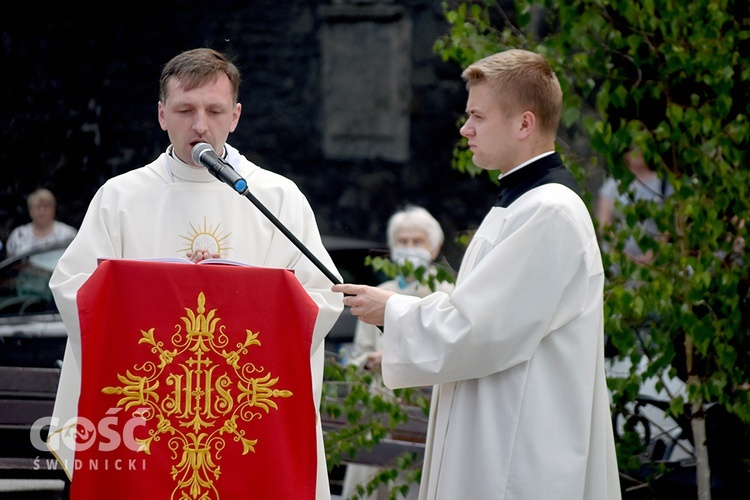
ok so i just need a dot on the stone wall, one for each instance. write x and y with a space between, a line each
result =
346 98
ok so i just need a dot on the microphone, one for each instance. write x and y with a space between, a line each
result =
204 154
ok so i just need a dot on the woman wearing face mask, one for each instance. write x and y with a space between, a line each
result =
414 236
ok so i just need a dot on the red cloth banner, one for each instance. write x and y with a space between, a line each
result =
196 384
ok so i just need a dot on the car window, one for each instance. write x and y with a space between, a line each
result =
24 282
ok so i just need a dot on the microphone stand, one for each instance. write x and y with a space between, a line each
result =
203 154
241 188
276 222
302 248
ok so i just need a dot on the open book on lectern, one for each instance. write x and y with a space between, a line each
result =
183 260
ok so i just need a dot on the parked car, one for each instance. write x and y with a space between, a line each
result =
31 330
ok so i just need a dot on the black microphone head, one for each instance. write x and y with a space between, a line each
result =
200 149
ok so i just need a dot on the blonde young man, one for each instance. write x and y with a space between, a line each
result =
520 407
153 210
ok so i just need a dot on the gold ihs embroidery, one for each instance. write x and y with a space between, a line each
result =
192 402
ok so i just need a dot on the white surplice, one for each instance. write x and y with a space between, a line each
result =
164 210
520 407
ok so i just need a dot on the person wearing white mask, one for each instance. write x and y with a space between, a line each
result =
413 236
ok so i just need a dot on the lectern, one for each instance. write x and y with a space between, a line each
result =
196 383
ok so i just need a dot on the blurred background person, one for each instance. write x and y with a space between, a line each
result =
44 229
646 186
415 236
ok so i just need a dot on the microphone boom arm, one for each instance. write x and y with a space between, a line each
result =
291 237
204 154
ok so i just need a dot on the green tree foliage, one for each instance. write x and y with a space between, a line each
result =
671 78
367 415
442 272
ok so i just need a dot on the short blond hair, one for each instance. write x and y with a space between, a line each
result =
521 78
41 196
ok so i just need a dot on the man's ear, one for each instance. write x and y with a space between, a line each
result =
528 124
162 120
235 116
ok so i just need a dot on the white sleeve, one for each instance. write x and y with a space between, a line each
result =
530 278
78 263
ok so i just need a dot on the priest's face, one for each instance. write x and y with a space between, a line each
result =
491 129
204 114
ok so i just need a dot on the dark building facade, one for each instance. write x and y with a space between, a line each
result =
346 97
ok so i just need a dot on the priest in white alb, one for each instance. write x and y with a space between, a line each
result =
174 207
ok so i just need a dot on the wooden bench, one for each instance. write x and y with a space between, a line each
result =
27 394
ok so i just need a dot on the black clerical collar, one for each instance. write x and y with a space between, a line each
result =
546 170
